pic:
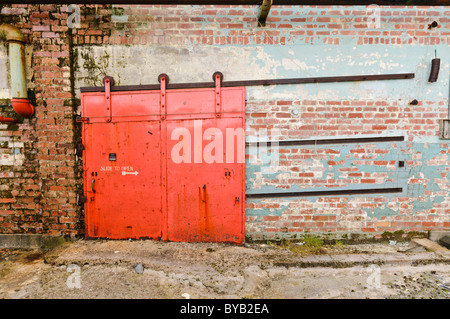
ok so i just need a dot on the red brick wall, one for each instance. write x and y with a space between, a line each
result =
41 195
348 117
285 25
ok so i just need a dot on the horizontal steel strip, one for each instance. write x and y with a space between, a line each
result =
333 141
198 85
326 193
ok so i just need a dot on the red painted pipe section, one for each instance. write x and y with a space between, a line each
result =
7 120
23 107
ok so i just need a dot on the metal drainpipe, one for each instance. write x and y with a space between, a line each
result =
16 42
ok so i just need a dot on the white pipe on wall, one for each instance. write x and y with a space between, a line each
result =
16 44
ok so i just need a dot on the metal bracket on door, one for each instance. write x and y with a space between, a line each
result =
163 80
80 119
217 78
81 198
108 82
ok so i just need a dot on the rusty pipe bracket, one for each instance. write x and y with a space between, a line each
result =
107 81
263 12
163 80
218 77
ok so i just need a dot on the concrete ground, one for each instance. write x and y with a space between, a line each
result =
151 269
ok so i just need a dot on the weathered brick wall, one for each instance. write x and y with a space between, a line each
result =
135 44
231 25
39 192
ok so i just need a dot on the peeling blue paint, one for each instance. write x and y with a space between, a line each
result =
401 177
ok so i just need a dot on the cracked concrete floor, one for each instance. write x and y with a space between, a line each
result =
106 269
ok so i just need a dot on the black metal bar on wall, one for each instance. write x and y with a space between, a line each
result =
349 140
326 193
324 79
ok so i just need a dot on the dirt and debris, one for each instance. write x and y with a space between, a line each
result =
430 284
152 269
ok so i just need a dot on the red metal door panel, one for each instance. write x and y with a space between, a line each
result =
200 103
123 180
125 107
206 199
135 189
